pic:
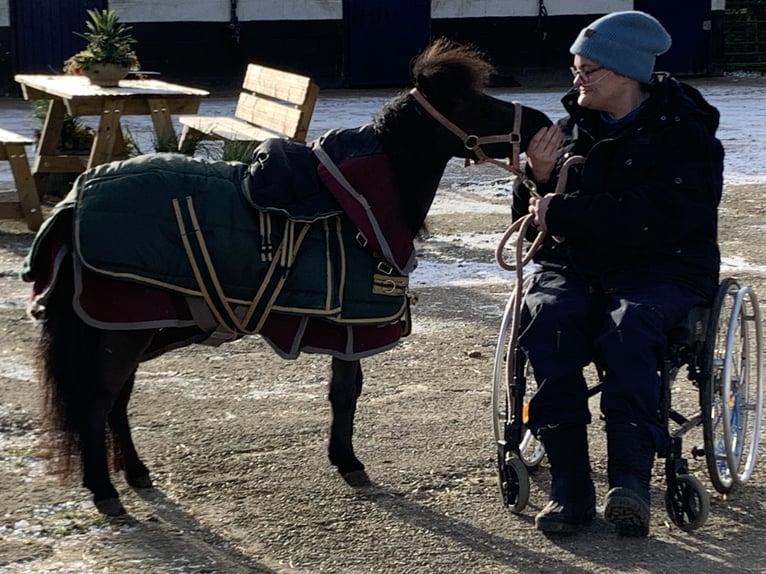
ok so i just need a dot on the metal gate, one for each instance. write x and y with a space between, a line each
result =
745 39
381 37
43 32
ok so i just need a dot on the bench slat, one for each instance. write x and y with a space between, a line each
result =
274 116
7 136
277 84
225 128
272 103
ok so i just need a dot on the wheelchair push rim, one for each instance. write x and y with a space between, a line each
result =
502 406
742 386
731 394
513 460
531 450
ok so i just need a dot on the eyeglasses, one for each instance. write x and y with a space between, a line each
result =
586 75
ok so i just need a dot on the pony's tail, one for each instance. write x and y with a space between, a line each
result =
65 367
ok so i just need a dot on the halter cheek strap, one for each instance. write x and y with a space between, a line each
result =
473 143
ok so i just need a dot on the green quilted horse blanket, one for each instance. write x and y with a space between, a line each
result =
270 237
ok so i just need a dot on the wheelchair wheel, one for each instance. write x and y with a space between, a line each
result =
514 482
688 504
731 393
531 450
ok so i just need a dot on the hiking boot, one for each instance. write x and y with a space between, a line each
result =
628 511
568 514
630 451
572 503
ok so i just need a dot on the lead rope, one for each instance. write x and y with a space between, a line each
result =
521 225
523 257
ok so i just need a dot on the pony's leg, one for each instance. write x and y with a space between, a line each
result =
125 455
116 359
345 388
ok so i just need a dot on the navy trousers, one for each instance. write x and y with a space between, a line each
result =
568 322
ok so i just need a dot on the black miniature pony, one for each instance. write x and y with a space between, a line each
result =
88 364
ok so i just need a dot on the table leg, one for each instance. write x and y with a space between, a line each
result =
25 186
109 131
120 149
163 125
50 139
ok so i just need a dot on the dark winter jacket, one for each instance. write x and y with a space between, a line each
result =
644 204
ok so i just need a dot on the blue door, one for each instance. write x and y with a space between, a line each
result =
688 22
381 37
43 32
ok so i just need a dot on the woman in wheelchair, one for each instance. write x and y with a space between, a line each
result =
631 247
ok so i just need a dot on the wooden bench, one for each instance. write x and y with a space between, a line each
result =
25 202
273 103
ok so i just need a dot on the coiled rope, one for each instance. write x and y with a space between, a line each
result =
522 257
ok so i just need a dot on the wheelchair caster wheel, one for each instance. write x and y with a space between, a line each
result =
688 504
514 483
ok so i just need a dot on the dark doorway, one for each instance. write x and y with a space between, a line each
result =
381 37
689 24
43 32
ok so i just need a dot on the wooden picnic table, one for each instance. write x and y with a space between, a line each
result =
76 96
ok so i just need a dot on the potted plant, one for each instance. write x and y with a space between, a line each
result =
109 55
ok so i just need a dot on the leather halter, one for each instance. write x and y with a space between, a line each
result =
473 143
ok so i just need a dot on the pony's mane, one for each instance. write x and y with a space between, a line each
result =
465 64
442 67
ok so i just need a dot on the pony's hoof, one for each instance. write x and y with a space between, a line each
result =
144 481
110 507
356 478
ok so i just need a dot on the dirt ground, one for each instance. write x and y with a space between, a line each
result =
236 441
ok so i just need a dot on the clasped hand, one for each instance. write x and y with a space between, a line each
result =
538 207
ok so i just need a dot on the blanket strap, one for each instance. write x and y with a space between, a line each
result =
333 169
265 229
394 285
211 288
274 281
194 246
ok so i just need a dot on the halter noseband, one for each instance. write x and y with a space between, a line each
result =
473 142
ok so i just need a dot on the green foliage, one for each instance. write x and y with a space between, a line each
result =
109 42
239 151
76 137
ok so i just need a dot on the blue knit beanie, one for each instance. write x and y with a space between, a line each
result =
624 42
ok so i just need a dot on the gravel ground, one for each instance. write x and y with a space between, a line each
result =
236 440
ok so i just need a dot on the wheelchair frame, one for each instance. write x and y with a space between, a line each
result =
722 347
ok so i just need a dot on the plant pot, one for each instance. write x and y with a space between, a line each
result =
105 75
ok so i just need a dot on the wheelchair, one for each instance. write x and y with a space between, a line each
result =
720 345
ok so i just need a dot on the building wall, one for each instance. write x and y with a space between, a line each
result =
522 8
219 10
200 43
306 36
6 67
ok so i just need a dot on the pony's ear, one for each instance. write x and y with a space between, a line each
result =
440 89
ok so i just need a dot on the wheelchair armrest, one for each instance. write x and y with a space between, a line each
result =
692 329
